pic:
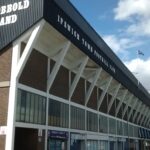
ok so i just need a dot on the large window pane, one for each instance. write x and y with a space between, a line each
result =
112 126
23 106
103 124
130 130
29 108
58 114
125 128
119 128
27 116
32 108
18 107
92 145
135 131
77 118
92 121
103 145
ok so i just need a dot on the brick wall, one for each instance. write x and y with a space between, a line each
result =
2 142
5 64
4 94
5 71
35 71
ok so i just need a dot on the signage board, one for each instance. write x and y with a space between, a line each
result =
3 130
16 16
58 134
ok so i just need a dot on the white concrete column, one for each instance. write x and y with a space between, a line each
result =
104 93
16 70
120 102
113 97
89 92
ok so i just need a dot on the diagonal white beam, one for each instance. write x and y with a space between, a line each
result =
56 50
89 92
147 124
114 97
78 75
77 63
137 110
59 62
90 76
144 115
132 108
103 83
141 112
147 116
126 107
28 49
104 93
120 102
147 119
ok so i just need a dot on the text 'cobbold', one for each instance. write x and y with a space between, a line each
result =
12 8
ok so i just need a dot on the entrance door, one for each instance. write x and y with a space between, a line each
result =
120 145
112 145
76 145
56 144
28 139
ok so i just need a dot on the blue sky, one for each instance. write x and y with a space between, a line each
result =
125 26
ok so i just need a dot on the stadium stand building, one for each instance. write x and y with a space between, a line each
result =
62 87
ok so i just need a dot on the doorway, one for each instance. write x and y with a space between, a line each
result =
57 144
28 139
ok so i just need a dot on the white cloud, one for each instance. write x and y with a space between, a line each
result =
129 8
120 45
140 68
141 28
136 10
113 42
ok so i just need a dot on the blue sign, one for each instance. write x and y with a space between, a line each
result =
58 134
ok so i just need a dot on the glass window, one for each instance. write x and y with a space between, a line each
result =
103 145
36 105
29 108
92 145
27 116
77 118
125 129
32 108
42 110
103 124
119 128
23 106
58 114
92 121
112 126
130 130
135 131
18 110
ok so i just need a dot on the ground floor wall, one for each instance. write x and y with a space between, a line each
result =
4 93
40 139
2 142
5 72
29 139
